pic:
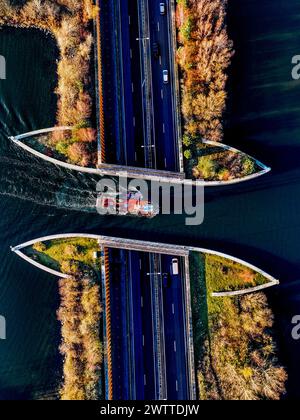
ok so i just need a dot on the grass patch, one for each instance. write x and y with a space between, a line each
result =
70 256
223 275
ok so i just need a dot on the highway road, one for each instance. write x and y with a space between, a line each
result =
138 105
148 333
164 114
175 340
132 334
120 331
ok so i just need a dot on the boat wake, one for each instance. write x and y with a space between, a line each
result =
32 180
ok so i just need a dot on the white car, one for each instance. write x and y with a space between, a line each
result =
162 8
166 76
175 267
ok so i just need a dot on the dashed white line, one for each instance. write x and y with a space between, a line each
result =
140 264
158 26
145 380
164 128
175 347
131 54
132 87
134 121
142 302
129 18
162 94
165 163
176 386
173 309
143 341
160 60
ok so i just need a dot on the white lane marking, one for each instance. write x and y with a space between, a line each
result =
132 87
131 54
176 386
165 162
142 302
173 309
158 26
175 347
134 121
140 264
129 18
162 94
143 341
164 128
160 60
145 380
135 156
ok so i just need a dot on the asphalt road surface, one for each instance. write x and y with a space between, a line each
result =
126 99
135 368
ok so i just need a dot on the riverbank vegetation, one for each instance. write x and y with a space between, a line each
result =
79 313
81 348
235 348
223 275
213 163
69 22
204 55
69 256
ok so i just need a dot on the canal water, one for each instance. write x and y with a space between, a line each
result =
256 221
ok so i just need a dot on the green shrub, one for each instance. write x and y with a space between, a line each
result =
207 167
188 154
248 166
187 141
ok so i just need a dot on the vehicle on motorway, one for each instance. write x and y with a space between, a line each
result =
167 280
166 76
175 267
156 50
162 8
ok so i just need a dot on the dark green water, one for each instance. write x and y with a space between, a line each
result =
257 221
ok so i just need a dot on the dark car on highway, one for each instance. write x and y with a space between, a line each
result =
167 280
156 50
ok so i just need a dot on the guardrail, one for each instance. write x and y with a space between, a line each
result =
189 331
40 266
99 86
246 291
108 336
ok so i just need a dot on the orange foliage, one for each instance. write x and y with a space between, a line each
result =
204 55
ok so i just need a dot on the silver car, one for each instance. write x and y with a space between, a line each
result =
166 76
162 8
